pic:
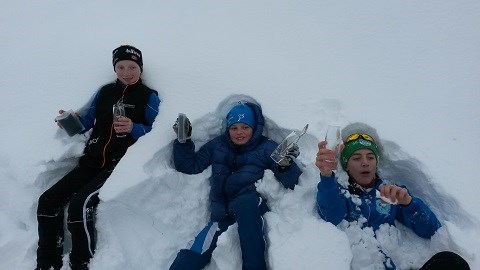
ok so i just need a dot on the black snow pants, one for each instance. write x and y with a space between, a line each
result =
79 190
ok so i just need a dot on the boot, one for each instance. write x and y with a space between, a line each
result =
79 266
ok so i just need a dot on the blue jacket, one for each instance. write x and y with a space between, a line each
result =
235 169
334 206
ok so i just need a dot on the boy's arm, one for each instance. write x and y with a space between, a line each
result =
419 217
88 117
332 205
189 162
288 176
151 111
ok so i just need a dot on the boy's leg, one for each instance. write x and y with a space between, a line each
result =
446 260
50 215
199 251
248 210
80 220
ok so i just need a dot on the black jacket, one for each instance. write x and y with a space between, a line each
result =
104 147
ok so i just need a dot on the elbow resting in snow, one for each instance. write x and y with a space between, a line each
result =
334 219
292 187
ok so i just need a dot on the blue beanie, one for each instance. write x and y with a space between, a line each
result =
240 113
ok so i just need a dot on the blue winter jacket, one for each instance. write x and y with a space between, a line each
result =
235 169
334 206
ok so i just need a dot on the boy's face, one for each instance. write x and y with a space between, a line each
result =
362 166
240 133
128 71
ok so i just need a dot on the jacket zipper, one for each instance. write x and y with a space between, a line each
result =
224 187
104 152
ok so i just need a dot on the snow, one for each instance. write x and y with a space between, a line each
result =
410 69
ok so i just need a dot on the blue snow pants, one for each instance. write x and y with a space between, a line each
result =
247 211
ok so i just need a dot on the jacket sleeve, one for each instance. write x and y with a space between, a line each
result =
188 161
88 118
288 176
151 111
418 217
332 205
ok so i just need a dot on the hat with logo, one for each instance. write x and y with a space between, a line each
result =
362 141
240 113
127 52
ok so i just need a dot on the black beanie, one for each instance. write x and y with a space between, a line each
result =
127 52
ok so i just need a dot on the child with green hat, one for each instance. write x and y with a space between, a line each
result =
367 196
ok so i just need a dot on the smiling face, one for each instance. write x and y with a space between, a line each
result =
128 71
362 166
240 133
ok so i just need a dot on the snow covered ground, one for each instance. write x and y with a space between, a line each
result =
410 69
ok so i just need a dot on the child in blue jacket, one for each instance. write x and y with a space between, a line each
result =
368 196
238 158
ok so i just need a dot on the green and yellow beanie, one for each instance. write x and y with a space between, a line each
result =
354 145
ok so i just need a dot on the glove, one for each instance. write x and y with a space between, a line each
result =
187 128
292 153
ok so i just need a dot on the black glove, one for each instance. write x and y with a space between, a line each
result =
292 153
187 128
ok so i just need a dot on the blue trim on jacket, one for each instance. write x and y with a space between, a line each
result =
138 130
